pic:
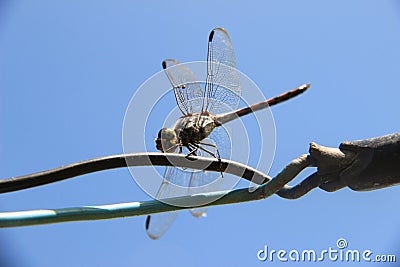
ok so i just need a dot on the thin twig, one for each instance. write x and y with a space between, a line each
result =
38 217
130 160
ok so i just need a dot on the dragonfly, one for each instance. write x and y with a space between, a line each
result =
205 107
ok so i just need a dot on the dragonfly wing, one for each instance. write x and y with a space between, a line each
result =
222 83
196 180
158 224
195 187
187 89
204 181
199 212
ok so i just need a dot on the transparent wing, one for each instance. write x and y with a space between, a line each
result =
204 182
222 83
188 92
158 224
189 182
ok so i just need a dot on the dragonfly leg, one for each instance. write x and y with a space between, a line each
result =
192 150
171 149
180 146
197 147
211 153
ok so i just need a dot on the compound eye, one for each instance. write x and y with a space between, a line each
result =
161 132
167 134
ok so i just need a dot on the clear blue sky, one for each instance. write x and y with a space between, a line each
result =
69 68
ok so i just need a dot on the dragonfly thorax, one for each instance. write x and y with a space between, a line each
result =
188 130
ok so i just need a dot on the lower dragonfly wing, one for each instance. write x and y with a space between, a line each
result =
194 189
179 182
158 224
204 181
201 212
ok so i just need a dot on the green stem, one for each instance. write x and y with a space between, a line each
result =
39 217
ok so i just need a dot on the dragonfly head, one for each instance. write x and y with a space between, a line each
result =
166 140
